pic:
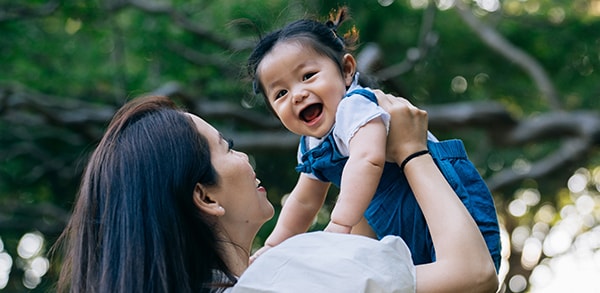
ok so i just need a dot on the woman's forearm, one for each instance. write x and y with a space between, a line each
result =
463 261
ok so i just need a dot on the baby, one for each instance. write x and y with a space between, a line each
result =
308 77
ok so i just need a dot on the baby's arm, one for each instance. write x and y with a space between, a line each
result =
360 177
298 212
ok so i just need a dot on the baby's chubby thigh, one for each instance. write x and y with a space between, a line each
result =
394 211
394 207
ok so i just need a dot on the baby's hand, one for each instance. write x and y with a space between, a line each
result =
259 252
337 228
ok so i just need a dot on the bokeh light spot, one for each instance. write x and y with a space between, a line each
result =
444 4
459 84
530 196
557 242
40 266
521 166
6 263
30 279
30 245
577 183
585 204
556 15
541 275
517 207
419 4
385 3
519 235
72 26
532 251
545 214
481 78
517 283
488 5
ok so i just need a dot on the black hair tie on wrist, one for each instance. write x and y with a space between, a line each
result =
412 156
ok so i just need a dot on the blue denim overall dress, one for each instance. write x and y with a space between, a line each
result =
394 209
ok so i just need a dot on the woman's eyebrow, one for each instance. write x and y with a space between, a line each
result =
228 142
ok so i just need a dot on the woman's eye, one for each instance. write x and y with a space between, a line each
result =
229 144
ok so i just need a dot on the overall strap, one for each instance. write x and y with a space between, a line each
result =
365 93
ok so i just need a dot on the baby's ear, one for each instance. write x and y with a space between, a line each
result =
205 202
348 68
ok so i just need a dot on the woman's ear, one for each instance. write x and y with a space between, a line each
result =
348 69
205 202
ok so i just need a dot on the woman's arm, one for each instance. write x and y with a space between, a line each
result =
463 263
360 177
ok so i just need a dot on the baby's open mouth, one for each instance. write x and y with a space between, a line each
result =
311 112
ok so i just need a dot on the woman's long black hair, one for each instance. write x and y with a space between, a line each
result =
135 227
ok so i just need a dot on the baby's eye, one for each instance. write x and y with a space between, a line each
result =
280 94
308 75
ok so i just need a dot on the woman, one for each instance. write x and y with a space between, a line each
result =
166 205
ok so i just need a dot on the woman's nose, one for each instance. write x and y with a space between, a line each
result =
242 154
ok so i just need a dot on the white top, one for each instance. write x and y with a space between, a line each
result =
332 262
353 112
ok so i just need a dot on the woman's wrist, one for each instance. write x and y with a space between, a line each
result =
399 151
412 156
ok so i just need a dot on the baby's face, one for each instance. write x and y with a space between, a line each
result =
303 87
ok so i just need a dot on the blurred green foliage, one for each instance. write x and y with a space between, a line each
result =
69 55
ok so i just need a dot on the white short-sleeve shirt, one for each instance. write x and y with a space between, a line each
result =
353 112
332 262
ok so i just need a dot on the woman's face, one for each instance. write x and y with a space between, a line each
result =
238 191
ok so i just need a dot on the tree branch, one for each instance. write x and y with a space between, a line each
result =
21 218
184 22
427 39
10 11
501 45
579 131
571 151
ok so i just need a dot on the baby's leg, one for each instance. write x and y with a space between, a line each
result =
452 160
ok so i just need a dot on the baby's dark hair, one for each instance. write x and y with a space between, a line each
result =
321 37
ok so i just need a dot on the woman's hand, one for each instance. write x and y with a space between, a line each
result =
408 127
